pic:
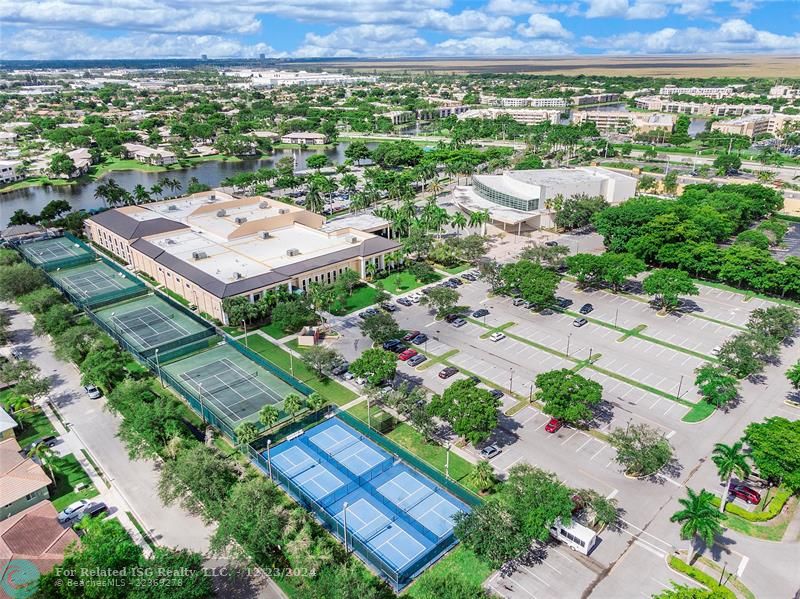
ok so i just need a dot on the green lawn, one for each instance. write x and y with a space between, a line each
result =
360 298
328 388
178 298
461 562
403 281
69 474
432 453
34 423
454 270
700 411
275 331
117 164
37 182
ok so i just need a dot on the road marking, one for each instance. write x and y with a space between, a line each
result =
598 453
646 546
742 566
542 580
612 494
669 480
570 437
545 562
584 445
670 434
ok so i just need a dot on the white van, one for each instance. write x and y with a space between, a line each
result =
576 536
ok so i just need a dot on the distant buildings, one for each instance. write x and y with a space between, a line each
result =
621 121
274 78
307 138
600 98
399 117
82 159
210 246
524 102
756 124
441 112
521 199
784 91
8 171
521 115
148 155
699 108
708 92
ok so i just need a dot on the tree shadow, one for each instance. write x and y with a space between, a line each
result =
603 413
757 378
534 556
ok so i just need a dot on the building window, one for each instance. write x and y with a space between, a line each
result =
504 199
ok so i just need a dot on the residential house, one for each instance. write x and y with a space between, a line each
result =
23 482
148 155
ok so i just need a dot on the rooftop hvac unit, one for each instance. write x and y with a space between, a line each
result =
212 197
282 210
263 205
172 207
199 255
264 235
293 252
240 220
237 276
170 242
352 239
221 212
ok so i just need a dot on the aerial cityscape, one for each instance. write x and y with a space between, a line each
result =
361 300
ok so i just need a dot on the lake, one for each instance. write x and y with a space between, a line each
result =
81 195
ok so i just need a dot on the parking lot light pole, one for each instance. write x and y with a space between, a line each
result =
590 355
244 324
530 395
680 384
616 315
158 368
202 406
344 518
269 458
447 461
569 337
511 382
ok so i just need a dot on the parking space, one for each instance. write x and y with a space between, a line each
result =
791 243
726 305
560 574
651 406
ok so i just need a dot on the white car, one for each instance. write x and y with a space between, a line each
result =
496 337
73 510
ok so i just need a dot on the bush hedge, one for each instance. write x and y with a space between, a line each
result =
681 566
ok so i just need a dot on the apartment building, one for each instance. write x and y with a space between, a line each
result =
756 124
441 112
210 246
525 116
600 98
274 78
524 102
707 92
302 137
8 171
399 117
148 155
784 91
604 120
700 108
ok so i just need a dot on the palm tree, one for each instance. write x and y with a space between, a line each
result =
246 433
156 189
459 221
479 218
140 194
315 401
483 476
314 201
435 187
268 416
17 403
698 518
293 404
45 455
730 460
349 182
371 270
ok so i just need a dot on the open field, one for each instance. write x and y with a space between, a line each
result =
652 66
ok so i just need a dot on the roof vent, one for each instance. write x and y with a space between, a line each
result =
263 205
237 276
170 241
199 255
221 212
352 239
172 207
240 220
264 235
212 197
293 252
283 210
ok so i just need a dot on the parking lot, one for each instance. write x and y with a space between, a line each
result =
791 243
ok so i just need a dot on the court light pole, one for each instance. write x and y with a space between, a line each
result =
158 368
269 458
447 461
202 405
244 324
344 518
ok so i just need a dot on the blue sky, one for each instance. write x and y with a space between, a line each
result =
51 29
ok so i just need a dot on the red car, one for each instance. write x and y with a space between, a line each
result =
554 425
747 494
411 335
406 354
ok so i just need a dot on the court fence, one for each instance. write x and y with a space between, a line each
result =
269 366
397 577
462 493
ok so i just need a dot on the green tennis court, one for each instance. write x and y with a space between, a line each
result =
97 281
233 386
149 322
47 251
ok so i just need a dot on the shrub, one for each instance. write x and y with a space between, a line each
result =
681 566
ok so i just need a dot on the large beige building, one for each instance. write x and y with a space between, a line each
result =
756 124
617 120
525 116
210 246
708 92
700 108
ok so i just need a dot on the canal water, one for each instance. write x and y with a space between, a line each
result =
81 195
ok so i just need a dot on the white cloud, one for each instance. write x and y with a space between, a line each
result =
733 35
647 9
466 21
513 7
607 8
542 26
43 44
363 40
500 46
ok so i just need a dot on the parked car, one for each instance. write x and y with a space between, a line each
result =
391 344
418 359
579 322
389 307
419 339
551 244
446 373
404 301
94 509
586 308
49 441
475 379
489 452
480 312
72 511
496 393
406 354
348 376
450 318
518 301
746 494
497 337
340 369
93 392
456 281
410 335
459 322
469 277
554 425
563 302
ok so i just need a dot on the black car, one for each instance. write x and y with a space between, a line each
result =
416 360
389 307
419 339
455 281
480 312
94 509
451 318
340 369
449 284
367 313
496 393
475 379
446 373
391 344
469 277
563 302
586 308
404 301
551 244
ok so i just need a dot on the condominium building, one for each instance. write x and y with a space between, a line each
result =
756 124
398 117
210 246
784 91
274 78
441 112
700 108
524 102
708 92
600 98
8 171
304 137
604 120
525 116
521 199
147 155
